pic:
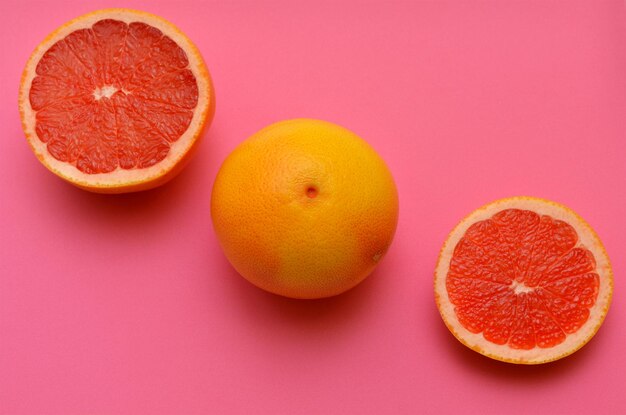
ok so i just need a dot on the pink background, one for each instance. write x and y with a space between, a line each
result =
126 305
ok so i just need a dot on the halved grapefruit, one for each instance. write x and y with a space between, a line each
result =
523 280
115 101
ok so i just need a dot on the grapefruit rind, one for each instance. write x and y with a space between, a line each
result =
587 238
121 180
286 242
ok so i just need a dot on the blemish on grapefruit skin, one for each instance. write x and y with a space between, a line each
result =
311 192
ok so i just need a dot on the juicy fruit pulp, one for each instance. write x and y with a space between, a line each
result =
523 280
115 95
520 279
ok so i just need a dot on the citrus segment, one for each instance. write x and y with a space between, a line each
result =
523 280
106 97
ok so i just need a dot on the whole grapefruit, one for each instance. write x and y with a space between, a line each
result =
304 209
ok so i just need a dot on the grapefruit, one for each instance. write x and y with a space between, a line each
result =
523 280
304 209
115 101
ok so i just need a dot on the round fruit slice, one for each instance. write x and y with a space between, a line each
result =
115 101
523 280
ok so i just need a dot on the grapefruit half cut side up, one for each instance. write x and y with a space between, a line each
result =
115 101
523 280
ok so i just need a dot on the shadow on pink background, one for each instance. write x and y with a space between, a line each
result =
126 305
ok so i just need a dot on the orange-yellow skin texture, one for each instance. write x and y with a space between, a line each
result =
304 209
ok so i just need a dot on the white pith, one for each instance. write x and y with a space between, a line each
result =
519 287
586 238
106 91
119 176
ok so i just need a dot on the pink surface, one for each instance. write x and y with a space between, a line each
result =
126 305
